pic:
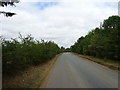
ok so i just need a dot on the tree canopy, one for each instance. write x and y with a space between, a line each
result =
5 3
101 42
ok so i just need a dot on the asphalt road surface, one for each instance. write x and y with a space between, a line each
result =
71 71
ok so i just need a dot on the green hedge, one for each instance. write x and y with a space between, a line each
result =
18 54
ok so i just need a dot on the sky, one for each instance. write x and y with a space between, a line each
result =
61 21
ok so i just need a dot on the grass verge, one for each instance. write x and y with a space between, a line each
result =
109 63
32 77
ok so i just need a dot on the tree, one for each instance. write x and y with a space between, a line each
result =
101 42
5 3
112 22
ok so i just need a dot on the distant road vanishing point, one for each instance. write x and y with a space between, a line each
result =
71 71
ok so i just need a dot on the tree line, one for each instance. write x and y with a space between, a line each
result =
102 42
22 52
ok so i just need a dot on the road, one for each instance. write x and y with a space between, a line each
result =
71 71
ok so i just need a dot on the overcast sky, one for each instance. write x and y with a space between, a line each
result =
62 21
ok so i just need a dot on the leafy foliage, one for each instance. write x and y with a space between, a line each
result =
4 3
101 42
20 53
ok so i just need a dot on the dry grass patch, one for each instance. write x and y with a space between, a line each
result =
109 63
32 77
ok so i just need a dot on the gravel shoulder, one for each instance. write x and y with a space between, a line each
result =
32 77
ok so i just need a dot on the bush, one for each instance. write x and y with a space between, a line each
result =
19 54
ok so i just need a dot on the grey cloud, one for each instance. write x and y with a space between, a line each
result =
63 23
